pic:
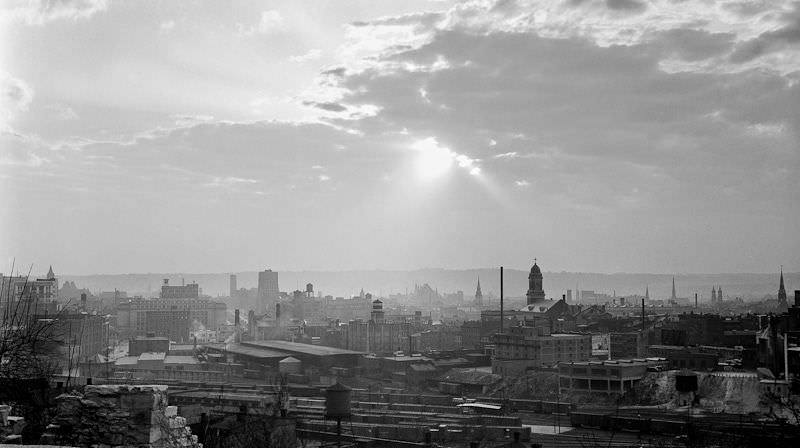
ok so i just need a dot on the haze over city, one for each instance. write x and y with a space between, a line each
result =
416 223
617 136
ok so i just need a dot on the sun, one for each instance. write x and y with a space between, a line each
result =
433 161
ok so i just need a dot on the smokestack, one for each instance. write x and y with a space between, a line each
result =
644 319
83 301
236 318
501 299
695 300
564 297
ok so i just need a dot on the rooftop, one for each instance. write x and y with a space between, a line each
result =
297 347
255 352
174 359
152 356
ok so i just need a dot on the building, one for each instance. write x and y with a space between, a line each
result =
149 343
523 347
478 294
233 287
694 358
160 365
190 291
268 290
608 377
535 287
178 311
782 293
39 290
627 345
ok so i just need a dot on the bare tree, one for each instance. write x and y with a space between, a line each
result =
30 355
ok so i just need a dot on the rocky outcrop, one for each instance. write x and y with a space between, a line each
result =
118 416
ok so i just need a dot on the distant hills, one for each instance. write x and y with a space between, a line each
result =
382 282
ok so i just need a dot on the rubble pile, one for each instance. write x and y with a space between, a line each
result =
118 415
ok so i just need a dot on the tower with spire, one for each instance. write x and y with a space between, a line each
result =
478 294
535 288
647 293
713 295
719 294
52 276
674 297
782 292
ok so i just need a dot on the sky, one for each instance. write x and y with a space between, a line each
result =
595 136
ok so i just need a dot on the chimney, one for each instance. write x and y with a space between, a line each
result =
166 281
501 299
644 319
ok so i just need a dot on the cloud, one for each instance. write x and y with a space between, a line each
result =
771 41
536 86
62 111
167 26
626 5
15 95
21 150
40 12
310 55
323 178
522 183
270 21
506 155
228 182
190 120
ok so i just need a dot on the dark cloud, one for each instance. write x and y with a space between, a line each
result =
770 41
330 107
336 71
626 5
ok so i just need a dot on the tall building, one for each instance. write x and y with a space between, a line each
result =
569 296
233 287
478 294
535 289
268 291
177 312
782 292
190 291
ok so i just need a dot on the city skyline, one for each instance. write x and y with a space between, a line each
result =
202 137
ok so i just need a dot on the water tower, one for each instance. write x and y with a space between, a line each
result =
686 387
337 406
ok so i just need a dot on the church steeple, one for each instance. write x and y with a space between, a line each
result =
674 297
647 292
478 293
713 294
782 291
51 276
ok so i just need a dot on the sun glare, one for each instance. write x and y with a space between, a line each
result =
433 161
